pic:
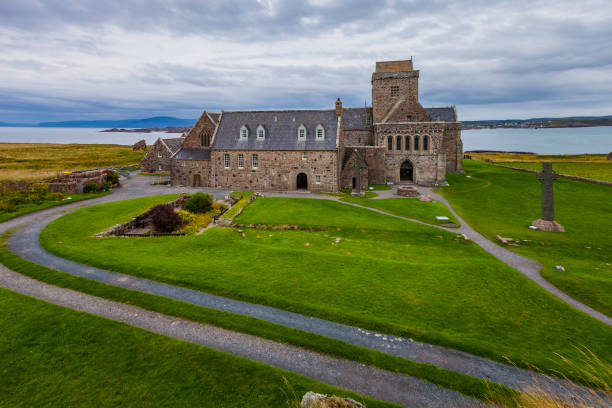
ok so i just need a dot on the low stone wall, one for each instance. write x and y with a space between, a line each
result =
278 227
567 176
76 181
15 186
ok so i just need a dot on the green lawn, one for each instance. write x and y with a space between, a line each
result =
406 207
57 357
379 187
505 202
368 269
596 170
154 174
470 386
31 207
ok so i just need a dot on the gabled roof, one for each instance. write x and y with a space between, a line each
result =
446 114
173 144
192 154
356 118
214 116
281 130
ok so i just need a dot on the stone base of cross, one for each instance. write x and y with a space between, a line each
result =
547 223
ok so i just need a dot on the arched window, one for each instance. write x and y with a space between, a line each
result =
389 143
398 143
205 139
320 132
301 133
425 143
261 132
407 143
244 133
416 143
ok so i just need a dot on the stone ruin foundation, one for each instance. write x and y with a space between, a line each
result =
75 182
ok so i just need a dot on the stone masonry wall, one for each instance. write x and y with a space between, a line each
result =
424 162
452 147
358 137
185 173
276 170
382 101
153 163
204 126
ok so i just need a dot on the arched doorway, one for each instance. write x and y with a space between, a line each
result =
406 171
302 181
197 180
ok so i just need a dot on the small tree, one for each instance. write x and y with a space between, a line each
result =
91 188
164 218
198 203
113 177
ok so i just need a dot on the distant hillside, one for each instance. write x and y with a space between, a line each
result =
574 121
155 122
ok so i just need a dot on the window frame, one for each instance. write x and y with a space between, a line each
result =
304 156
398 143
415 143
395 91
425 143
244 131
226 160
262 130
301 129
389 143
408 143
254 161
240 160
320 129
317 179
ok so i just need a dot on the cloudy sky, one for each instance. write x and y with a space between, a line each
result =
92 59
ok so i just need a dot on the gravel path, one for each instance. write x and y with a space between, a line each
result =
25 243
526 266
350 375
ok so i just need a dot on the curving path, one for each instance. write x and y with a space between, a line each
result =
526 266
25 243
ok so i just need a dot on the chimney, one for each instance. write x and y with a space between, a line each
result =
338 108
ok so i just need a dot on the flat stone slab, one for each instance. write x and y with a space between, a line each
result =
442 218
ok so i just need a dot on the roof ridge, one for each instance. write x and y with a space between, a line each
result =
280 110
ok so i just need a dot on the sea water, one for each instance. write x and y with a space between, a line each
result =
541 141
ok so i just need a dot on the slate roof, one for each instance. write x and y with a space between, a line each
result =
192 154
174 144
446 114
356 118
214 116
281 130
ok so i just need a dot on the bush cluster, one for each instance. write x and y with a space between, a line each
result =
164 218
112 177
90 188
36 194
199 203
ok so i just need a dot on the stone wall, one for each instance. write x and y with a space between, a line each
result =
186 172
76 181
157 160
452 147
374 157
358 137
201 133
276 170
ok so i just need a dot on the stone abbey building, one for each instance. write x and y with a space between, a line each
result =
394 141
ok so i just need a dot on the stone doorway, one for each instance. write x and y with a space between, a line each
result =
197 181
302 181
406 172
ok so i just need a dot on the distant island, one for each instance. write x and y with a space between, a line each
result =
148 123
538 123
168 129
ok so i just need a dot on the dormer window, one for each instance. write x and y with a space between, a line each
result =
320 132
301 133
261 132
244 133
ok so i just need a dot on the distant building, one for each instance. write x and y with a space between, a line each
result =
394 141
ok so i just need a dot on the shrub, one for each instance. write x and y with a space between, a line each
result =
5 206
186 217
218 207
198 203
90 188
164 218
54 196
107 185
112 177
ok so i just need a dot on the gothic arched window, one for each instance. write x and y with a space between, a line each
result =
407 143
398 143
425 143
389 143
416 143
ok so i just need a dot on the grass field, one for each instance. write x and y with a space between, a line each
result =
39 161
599 170
464 384
593 166
31 207
406 207
56 357
505 202
368 269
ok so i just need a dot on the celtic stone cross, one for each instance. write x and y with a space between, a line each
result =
547 176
